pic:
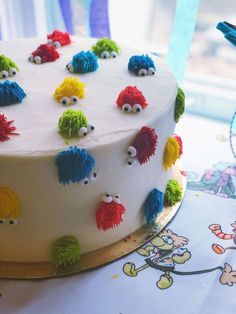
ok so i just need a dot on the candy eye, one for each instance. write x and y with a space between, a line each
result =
83 131
37 60
137 108
93 176
31 58
116 199
69 67
131 161
74 100
2 221
127 108
105 55
85 181
12 71
3 74
151 71
90 128
12 221
142 72
65 101
113 54
107 198
56 44
132 152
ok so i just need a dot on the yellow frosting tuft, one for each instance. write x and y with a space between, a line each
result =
171 152
68 88
9 204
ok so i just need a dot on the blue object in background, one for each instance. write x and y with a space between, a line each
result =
98 18
181 36
17 19
26 7
67 15
54 16
229 31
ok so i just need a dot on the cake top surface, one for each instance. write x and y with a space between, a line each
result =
36 118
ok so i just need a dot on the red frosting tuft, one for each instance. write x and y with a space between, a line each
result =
62 38
131 95
46 53
6 129
179 140
145 144
109 215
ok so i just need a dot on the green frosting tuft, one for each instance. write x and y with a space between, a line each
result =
173 193
179 104
6 64
105 44
71 121
66 252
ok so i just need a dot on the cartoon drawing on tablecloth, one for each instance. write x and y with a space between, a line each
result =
219 181
216 229
164 252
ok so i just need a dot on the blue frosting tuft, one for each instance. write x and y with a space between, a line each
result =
153 204
74 164
84 62
137 63
10 93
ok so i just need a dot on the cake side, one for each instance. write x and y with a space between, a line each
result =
50 209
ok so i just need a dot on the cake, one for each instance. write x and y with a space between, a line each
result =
48 205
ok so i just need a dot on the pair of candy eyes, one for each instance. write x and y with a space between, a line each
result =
4 74
65 101
107 54
132 152
10 221
85 130
135 108
86 180
143 72
107 198
35 59
55 44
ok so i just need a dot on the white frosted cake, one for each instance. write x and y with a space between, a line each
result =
50 208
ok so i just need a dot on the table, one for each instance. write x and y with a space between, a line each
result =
201 254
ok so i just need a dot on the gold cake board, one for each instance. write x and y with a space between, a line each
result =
100 257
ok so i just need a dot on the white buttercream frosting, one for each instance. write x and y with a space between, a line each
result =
36 118
27 162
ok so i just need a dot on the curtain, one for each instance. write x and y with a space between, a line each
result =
29 18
